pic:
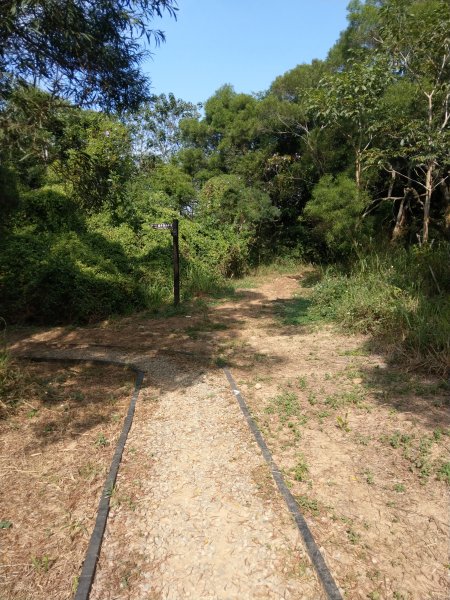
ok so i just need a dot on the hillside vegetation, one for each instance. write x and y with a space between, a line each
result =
344 163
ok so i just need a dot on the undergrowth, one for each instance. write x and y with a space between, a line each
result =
401 299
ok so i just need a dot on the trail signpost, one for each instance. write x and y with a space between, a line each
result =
176 257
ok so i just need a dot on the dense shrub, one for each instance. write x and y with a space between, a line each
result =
334 212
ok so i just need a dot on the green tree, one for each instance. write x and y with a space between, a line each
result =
86 51
335 214
414 34
155 127
351 101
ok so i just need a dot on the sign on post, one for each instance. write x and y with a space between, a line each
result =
162 225
176 257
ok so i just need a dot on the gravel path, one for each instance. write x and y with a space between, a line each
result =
203 528
209 523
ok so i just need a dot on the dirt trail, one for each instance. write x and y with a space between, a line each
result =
195 507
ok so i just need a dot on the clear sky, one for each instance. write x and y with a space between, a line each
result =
247 43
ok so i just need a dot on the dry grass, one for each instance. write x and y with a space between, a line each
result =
58 433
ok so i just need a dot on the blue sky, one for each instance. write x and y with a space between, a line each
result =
243 42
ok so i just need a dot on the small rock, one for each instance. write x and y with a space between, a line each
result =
258 386
357 380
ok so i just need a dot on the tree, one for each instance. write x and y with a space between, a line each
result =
351 100
85 50
414 33
155 126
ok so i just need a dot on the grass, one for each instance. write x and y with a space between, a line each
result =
296 311
443 473
301 469
394 298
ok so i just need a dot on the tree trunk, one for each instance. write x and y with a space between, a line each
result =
358 168
427 203
400 222
446 194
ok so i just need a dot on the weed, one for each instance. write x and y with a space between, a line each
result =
312 398
220 362
398 439
101 441
41 564
369 477
362 439
302 382
354 396
5 524
443 473
89 471
75 582
32 413
297 435
286 405
399 487
342 423
110 491
322 415
49 428
308 505
301 469
353 536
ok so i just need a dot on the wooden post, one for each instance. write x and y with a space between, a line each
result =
176 264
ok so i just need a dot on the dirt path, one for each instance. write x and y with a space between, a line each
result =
195 506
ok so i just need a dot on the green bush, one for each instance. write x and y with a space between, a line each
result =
61 277
334 212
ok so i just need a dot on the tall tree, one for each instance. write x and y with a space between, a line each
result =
85 50
155 126
415 34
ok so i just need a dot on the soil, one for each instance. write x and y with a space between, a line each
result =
362 443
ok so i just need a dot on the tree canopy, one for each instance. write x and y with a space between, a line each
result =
87 51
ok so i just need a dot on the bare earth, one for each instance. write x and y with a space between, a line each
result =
195 513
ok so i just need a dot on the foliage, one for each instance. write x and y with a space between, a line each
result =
335 212
155 127
400 298
80 50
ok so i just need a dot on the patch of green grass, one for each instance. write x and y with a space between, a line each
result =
308 505
285 405
355 352
301 469
296 311
353 397
41 564
399 488
101 441
443 473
